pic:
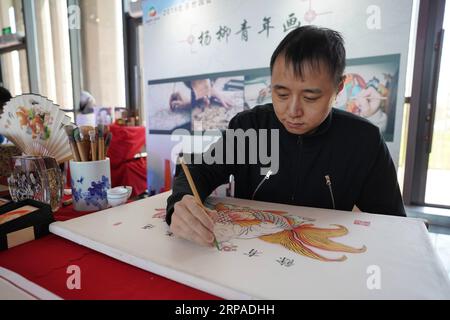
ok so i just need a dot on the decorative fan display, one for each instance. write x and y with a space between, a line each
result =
36 125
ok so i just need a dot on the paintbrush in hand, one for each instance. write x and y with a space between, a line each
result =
195 192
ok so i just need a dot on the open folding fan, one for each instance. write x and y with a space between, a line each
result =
36 125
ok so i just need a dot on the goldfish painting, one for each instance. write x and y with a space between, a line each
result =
295 233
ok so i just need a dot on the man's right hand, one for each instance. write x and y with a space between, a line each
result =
191 222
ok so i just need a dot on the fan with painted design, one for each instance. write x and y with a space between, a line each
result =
36 125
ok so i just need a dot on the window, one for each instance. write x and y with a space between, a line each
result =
438 174
55 76
53 49
103 51
13 63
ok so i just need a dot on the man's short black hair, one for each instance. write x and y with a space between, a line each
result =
312 45
5 96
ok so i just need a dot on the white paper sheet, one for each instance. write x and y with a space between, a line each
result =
395 260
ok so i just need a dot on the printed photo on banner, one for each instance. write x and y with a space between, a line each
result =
208 102
169 108
205 102
258 89
216 101
370 91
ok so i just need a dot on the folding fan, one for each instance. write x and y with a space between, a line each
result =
36 125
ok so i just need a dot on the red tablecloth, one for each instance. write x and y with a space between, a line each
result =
45 262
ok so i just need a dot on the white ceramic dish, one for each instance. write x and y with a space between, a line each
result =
118 195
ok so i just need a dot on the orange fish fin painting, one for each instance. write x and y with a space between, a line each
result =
331 233
319 238
290 241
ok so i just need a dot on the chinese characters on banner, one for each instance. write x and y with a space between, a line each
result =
224 32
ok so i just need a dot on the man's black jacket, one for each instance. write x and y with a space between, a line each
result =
347 148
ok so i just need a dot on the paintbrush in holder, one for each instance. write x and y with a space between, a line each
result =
88 143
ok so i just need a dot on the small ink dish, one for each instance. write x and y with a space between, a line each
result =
118 195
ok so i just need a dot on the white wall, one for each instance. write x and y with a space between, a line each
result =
370 28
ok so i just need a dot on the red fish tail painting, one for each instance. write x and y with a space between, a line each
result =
278 227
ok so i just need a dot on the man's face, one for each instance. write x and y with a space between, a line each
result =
302 104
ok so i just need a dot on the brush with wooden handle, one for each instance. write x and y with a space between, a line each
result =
73 145
84 156
85 139
94 145
195 192
108 142
101 142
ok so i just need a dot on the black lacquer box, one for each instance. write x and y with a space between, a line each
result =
23 221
